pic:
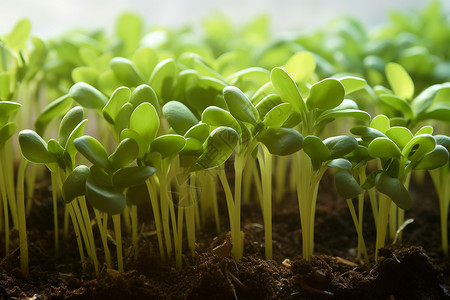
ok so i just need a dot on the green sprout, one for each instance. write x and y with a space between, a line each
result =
399 153
324 103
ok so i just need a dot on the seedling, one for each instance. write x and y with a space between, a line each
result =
399 152
324 103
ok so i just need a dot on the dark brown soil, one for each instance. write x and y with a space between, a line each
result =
414 270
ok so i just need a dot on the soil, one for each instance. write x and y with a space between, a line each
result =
415 269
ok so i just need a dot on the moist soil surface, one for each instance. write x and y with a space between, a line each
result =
414 269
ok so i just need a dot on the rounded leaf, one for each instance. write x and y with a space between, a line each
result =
132 176
281 141
34 148
394 189
218 148
326 94
93 150
104 199
381 123
399 135
434 159
301 65
54 109
383 147
352 84
126 152
199 132
87 96
315 148
145 121
75 184
418 146
346 185
340 145
115 103
126 71
239 105
144 93
216 116
168 144
288 90
179 116
400 81
68 123
278 115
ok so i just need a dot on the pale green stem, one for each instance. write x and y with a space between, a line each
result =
5 210
238 240
118 235
280 177
81 224
8 179
104 237
23 243
127 219
358 226
383 215
156 214
190 213
165 214
134 229
55 209
77 233
266 176
87 222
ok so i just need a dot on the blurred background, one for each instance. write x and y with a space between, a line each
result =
53 17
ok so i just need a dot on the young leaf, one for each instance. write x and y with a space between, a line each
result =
137 195
6 109
54 109
340 163
145 121
218 148
87 96
68 123
394 189
381 123
400 81
144 93
399 135
115 103
75 184
352 84
122 120
215 116
418 147
103 198
18 37
383 147
346 185
34 148
168 144
315 148
397 103
286 87
340 145
132 176
281 141
6 132
126 152
126 71
434 159
77 132
326 94
163 77
278 115
90 148
300 66
239 105
179 116
267 103
199 132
